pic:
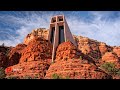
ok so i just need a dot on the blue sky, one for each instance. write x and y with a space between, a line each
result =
103 26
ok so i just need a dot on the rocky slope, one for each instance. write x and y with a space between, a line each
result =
75 69
15 54
37 49
33 59
72 63
89 60
28 70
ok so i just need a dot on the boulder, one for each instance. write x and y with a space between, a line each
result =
110 57
40 32
37 49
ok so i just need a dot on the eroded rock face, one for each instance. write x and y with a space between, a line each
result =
37 49
110 57
33 58
34 61
15 54
27 70
40 32
75 69
104 48
117 51
88 46
67 50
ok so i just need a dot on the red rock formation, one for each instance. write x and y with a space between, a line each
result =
37 49
15 54
110 57
28 38
67 50
68 65
40 32
75 69
88 46
117 51
27 70
104 48
33 58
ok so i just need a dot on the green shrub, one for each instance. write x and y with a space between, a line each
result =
36 76
110 68
118 73
27 77
12 77
2 73
55 76
81 57
67 77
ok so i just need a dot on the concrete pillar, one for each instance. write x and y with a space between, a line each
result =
57 21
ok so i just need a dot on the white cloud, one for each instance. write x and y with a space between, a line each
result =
101 30
98 29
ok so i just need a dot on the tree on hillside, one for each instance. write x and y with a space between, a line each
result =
3 44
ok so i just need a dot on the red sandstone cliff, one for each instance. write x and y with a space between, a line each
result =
40 32
71 63
32 59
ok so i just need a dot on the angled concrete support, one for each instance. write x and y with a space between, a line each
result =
59 32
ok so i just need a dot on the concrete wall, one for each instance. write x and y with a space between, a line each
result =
67 33
56 39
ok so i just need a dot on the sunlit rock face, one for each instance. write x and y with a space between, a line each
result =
32 58
40 32
37 49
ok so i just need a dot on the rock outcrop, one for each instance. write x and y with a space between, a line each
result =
67 50
117 51
71 62
37 49
88 46
40 32
32 59
104 48
15 54
110 57
28 70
